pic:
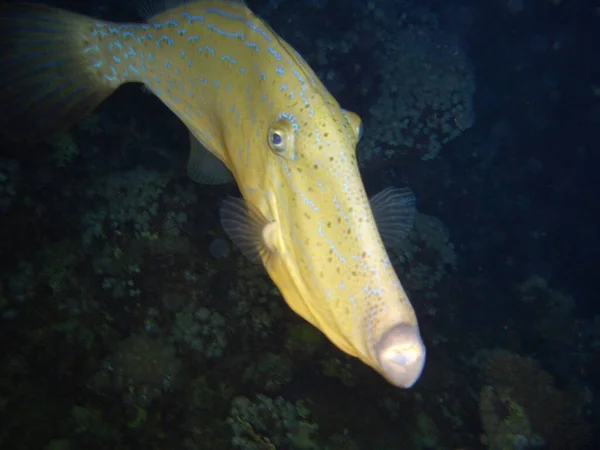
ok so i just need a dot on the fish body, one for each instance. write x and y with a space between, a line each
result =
258 108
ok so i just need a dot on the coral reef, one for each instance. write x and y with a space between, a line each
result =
271 372
520 404
504 422
201 330
426 94
141 367
126 203
268 423
427 252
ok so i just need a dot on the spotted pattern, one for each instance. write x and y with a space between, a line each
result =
229 77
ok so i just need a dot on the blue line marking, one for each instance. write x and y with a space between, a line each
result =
191 19
273 52
248 23
253 46
228 58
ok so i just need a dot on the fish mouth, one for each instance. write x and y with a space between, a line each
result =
401 355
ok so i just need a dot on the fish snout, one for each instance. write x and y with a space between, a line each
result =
401 355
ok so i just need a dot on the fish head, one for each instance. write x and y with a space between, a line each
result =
321 246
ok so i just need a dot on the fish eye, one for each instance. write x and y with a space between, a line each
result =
355 122
281 136
276 141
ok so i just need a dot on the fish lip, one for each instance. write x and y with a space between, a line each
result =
401 355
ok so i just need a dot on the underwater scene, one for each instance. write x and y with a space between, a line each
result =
299 225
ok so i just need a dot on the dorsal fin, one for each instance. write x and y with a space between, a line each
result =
151 8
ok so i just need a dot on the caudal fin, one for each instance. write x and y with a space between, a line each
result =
49 73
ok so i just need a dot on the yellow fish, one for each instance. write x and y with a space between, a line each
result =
260 114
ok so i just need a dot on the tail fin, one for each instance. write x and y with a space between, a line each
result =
48 69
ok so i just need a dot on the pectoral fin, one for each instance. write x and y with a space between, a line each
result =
248 229
394 211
